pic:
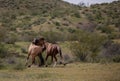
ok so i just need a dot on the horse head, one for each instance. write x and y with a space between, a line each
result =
42 43
35 41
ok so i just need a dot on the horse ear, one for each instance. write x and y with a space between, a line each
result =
34 41
41 39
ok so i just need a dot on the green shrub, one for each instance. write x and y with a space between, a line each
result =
39 21
53 37
23 50
106 29
71 30
19 66
116 58
11 38
57 23
3 51
114 35
2 66
3 33
87 46
90 17
77 14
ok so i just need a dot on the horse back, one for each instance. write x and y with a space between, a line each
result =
34 49
53 49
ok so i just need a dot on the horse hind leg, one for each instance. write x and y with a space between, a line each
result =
55 63
51 59
63 62
46 60
33 61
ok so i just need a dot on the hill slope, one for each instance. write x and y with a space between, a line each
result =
57 15
88 31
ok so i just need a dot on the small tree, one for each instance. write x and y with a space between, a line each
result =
87 45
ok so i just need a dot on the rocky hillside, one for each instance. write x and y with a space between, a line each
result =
90 33
28 18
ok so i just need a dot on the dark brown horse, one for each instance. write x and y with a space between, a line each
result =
35 49
52 50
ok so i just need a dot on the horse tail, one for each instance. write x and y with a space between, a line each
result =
62 61
60 53
28 55
29 52
27 59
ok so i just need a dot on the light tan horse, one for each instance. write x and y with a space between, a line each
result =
35 49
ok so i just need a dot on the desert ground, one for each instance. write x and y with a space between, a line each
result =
71 72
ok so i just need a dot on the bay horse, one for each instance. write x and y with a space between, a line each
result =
52 50
35 49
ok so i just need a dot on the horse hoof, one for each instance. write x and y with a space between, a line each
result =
46 65
61 63
40 65
29 66
64 64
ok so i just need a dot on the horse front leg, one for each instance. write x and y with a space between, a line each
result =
46 60
41 60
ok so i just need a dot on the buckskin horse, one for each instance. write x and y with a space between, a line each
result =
35 49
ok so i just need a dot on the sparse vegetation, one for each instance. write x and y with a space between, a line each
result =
19 66
88 47
86 34
64 21
78 71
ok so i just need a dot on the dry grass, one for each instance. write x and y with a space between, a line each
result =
71 72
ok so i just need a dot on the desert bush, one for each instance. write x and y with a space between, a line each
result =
87 45
114 35
3 51
13 16
2 66
27 36
19 66
81 52
57 23
39 21
112 48
105 29
116 58
68 58
24 50
57 13
71 30
11 38
112 51
89 27
11 60
3 33
77 14
90 16
53 36
98 15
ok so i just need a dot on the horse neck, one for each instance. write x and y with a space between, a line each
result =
47 44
